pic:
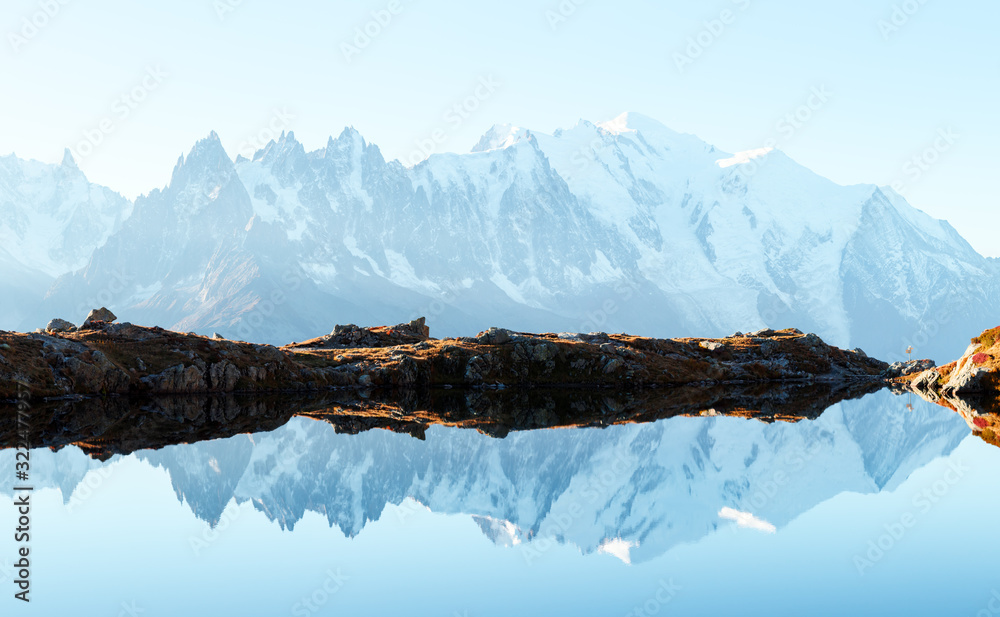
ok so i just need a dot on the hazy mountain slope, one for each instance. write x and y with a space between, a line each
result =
619 226
51 220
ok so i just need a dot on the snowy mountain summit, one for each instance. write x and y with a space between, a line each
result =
622 225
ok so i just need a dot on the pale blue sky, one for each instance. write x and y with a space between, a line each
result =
891 91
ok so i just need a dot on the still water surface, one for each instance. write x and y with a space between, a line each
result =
868 510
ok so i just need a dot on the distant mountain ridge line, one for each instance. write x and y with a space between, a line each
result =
541 232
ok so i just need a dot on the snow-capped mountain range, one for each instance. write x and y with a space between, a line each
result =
617 226
633 490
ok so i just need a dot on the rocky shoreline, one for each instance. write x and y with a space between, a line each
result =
969 386
103 358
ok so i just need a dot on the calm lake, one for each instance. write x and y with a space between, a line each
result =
869 509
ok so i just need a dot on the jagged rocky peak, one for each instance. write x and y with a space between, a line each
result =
68 161
501 136
285 146
349 141
207 159
623 225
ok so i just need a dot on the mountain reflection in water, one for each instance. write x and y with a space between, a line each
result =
671 502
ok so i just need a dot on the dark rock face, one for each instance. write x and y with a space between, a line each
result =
109 358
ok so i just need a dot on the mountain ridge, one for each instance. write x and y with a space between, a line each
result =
623 225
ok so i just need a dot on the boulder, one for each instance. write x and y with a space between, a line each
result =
494 336
812 340
101 314
59 325
967 381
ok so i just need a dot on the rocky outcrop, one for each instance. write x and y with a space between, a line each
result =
101 315
351 336
111 358
59 325
906 369
970 385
